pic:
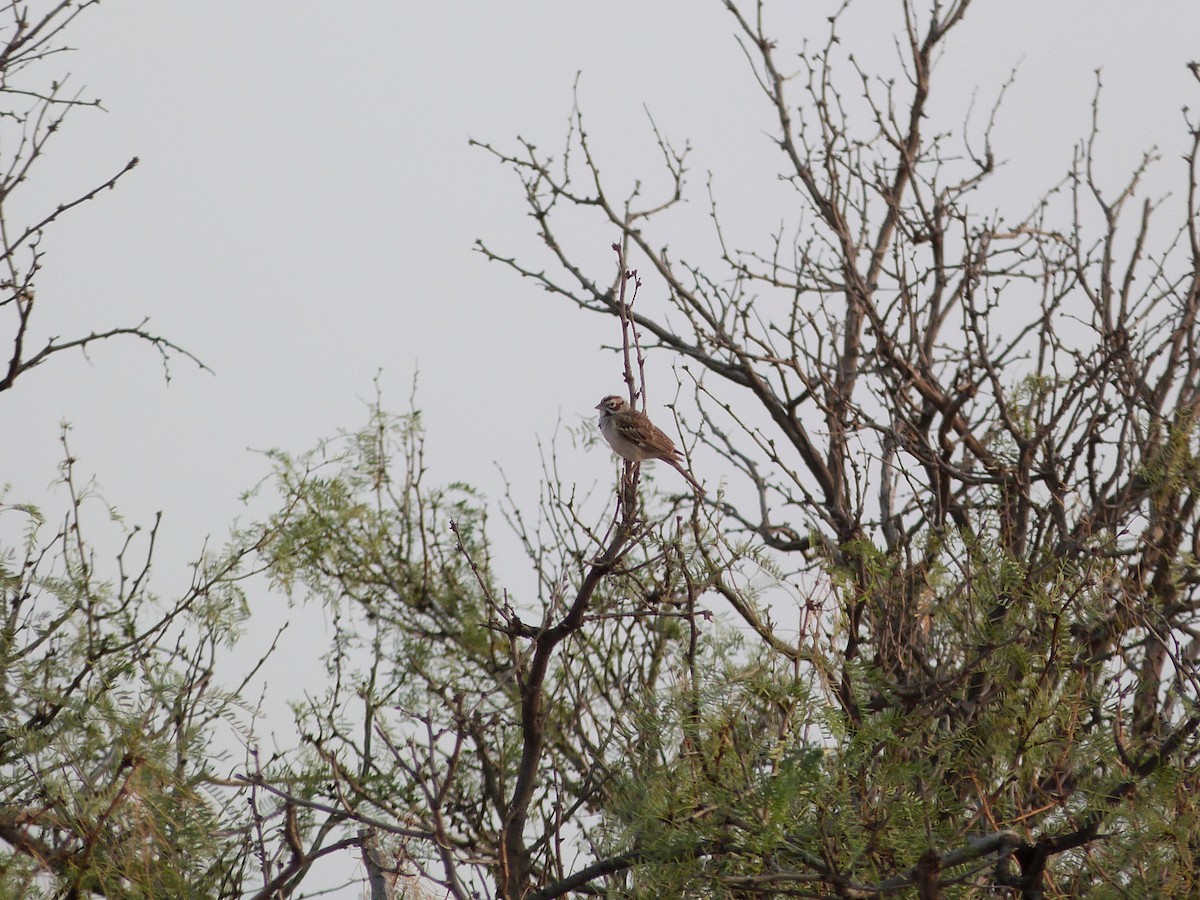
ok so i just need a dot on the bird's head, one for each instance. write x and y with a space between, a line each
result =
611 404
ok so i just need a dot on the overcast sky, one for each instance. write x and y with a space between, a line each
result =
305 208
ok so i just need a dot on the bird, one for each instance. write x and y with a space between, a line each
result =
635 438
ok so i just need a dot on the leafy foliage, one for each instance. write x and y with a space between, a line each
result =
971 436
935 631
110 721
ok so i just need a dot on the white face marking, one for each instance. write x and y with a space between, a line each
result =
610 404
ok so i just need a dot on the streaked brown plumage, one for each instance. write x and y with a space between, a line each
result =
634 437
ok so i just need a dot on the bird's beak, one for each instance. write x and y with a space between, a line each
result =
598 405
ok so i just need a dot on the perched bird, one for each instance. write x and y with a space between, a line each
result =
634 437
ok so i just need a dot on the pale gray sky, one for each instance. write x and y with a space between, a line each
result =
306 204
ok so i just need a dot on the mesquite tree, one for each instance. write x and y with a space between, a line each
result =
969 437
114 719
932 629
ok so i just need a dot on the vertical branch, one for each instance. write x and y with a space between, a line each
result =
516 864
381 878
630 347
630 338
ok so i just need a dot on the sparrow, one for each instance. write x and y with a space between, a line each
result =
634 437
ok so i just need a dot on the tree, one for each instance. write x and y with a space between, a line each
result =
108 713
481 740
992 516
112 715
935 633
